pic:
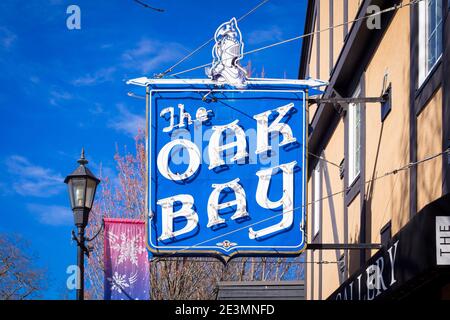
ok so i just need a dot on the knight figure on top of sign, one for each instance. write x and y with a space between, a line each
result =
226 53
226 177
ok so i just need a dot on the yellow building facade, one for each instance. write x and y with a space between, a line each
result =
375 167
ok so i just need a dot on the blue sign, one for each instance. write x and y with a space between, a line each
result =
226 170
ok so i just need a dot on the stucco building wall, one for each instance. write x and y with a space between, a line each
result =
350 214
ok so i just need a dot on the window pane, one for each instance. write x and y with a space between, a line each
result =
316 197
358 115
357 163
358 140
439 31
431 51
354 141
351 142
431 16
439 41
438 11
430 36
423 38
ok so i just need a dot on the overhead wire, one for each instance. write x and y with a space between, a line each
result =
170 69
392 172
148 6
200 260
324 160
393 8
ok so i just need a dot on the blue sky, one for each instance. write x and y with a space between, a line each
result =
63 89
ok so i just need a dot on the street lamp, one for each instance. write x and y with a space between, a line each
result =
82 185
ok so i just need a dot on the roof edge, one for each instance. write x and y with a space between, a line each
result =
306 40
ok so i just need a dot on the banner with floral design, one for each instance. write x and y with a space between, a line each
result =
125 260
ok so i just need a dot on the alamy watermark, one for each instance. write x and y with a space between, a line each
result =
73 280
73 21
373 17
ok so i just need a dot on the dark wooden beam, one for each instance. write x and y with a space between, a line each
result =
343 246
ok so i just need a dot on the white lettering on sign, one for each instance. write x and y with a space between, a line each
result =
168 215
163 160
216 149
287 200
359 286
214 206
373 281
183 116
264 130
443 240
371 278
380 285
202 115
171 118
392 255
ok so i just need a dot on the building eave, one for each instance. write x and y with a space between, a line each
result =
359 47
306 46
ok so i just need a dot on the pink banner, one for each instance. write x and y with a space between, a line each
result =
126 260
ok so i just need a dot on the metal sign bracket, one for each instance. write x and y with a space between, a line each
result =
343 246
340 101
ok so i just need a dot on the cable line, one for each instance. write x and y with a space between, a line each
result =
393 172
147 6
324 160
162 74
194 260
393 8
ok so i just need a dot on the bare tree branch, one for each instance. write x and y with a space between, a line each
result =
175 278
19 277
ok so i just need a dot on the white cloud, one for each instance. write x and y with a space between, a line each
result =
274 33
151 55
33 180
61 95
100 76
7 38
127 122
57 96
51 215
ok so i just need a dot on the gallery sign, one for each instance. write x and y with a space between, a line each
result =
419 253
226 160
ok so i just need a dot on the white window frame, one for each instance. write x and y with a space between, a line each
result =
424 31
354 146
317 194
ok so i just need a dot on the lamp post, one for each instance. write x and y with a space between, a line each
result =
82 185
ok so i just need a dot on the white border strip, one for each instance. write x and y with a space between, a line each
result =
144 82
219 249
